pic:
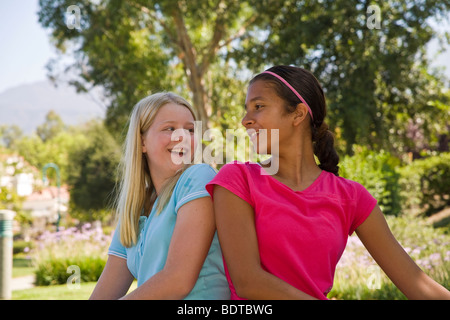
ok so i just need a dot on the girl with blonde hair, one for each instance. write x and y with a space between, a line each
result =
166 233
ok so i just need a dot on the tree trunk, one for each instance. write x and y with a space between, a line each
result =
193 71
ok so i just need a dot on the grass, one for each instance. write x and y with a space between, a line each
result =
22 267
58 292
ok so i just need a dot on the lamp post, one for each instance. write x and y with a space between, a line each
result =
6 252
58 184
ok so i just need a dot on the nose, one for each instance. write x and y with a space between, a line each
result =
179 135
247 120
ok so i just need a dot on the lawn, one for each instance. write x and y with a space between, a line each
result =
58 292
23 267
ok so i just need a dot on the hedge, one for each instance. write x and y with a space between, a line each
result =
425 185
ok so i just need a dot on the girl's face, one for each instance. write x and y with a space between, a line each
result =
265 110
169 142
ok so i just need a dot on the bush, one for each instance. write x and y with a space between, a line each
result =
376 171
55 252
21 246
53 272
425 184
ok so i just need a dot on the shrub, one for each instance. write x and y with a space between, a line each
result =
376 171
21 246
55 252
425 184
53 272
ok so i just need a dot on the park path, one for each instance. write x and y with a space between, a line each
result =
21 283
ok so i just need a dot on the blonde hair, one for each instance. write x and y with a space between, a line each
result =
135 186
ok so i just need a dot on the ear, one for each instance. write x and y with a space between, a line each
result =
300 114
144 148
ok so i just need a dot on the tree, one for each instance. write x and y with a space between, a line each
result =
51 127
91 174
54 149
87 156
373 70
132 48
10 134
375 73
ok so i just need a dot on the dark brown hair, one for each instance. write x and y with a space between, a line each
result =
310 89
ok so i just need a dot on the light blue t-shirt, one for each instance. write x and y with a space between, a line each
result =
149 255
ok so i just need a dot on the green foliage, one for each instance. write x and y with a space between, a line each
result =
87 156
9 135
10 200
20 246
375 79
425 184
379 87
52 126
134 48
55 252
55 149
54 271
376 171
92 174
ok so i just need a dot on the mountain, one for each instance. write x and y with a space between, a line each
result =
28 104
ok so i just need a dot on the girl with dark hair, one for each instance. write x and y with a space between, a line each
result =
282 235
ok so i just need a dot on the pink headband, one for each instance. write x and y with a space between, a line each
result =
292 89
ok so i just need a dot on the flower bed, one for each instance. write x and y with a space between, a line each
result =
359 277
83 248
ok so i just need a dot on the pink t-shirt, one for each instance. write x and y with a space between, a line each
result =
301 234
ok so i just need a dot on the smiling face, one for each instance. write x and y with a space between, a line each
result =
169 140
265 110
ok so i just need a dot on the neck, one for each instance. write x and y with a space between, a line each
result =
158 180
297 167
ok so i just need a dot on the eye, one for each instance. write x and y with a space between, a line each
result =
169 129
258 106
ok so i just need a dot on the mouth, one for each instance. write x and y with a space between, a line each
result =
252 133
178 151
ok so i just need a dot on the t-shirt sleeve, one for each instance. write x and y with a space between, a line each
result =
191 184
232 177
116 248
364 204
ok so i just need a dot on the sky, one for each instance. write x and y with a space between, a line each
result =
26 48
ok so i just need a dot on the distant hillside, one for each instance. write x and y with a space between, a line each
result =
27 105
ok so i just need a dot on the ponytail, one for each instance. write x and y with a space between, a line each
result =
323 143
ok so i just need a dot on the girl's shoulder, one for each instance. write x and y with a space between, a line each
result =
191 184
199 168
238 167
342 186
196 174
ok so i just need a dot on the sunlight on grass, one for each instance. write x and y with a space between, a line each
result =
58 292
